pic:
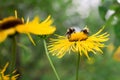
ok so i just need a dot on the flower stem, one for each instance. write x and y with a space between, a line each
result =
13 56
51 63
77 66
14 46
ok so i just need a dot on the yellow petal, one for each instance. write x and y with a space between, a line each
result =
5 33
3 36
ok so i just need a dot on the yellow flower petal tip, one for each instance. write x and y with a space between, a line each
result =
16 14
7 77
79 42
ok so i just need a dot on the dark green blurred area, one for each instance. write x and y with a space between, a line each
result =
32 62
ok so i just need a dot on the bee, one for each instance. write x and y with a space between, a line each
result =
69 32
74 35
85 30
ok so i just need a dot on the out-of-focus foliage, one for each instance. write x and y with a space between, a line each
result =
32 62
111 20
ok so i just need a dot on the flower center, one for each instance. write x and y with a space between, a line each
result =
78 36
10 23
72 35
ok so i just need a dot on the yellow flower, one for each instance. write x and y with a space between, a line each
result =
79 42
8 25
7 77
36 27
12 24
116 55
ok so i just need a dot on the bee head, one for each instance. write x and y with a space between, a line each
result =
85 30
70 31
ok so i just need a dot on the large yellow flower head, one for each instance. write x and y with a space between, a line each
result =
8 76
79 42
8 25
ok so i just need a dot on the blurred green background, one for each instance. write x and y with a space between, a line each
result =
32 62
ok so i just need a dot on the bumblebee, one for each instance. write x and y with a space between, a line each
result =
73 35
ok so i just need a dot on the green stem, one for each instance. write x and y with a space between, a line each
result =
77 66
13 56
51 63
14 52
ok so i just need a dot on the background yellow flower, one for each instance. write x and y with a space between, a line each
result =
116 55
12 24
8 76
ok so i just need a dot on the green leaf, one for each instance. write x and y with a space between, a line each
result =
102 11
117 34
